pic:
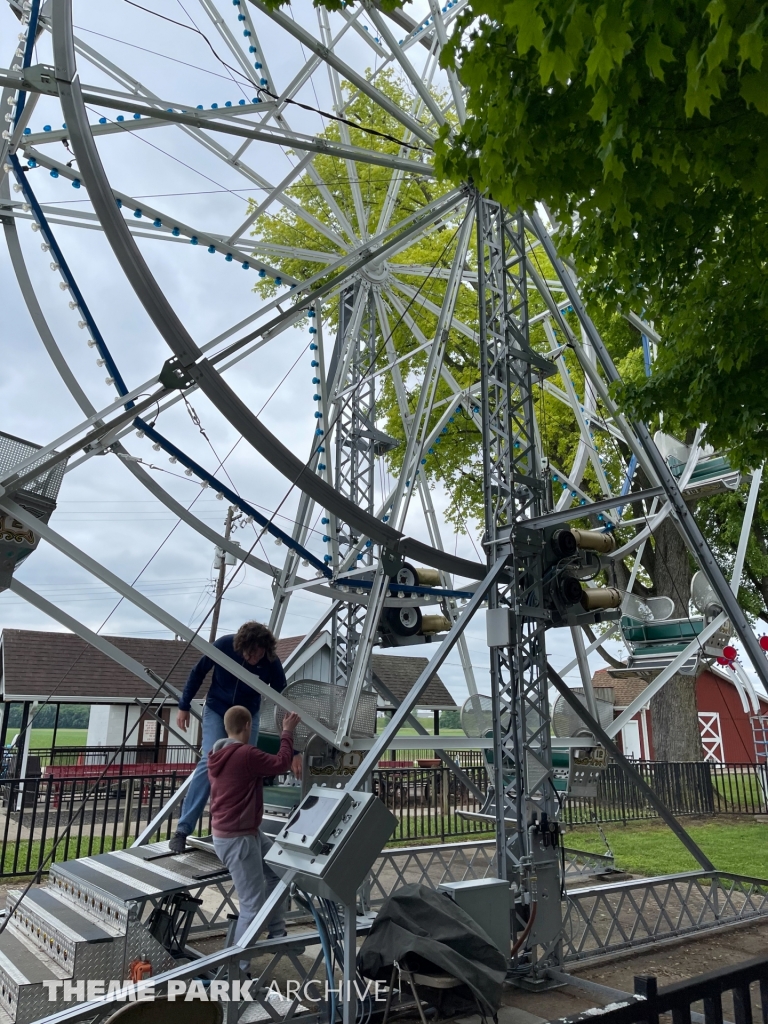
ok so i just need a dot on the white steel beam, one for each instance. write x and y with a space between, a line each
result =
159 614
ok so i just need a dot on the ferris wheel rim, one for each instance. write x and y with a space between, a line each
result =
182 345
416 552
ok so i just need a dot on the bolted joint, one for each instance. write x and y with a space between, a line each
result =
175 376
391 562
41 78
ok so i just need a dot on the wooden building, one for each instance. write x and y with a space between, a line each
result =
729 733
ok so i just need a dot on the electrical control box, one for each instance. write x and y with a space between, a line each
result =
331 840
488 902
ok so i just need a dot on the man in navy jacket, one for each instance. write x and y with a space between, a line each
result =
253 647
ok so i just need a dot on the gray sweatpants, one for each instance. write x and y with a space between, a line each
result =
253 879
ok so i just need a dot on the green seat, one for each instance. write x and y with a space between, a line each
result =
281 799
636 631
268 742
561 761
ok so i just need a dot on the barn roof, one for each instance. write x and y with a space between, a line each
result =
399 674
625 687
39 664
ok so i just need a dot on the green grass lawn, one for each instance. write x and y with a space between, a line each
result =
650 848
44 737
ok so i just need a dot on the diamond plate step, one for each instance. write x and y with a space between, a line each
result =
101 905
84 924
130 876
72 938
23 969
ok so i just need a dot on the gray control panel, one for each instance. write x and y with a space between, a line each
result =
331 840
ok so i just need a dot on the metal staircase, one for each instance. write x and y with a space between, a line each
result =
89 922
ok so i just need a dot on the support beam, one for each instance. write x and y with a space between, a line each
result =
156 612
600 734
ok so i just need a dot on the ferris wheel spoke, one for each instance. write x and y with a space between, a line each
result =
453 81
389 205
271 197
468 276
580 415
274 192
309 67
342 269
228 36
352 173
105 65
389 345
233 160
413 76
419 299
368 38
419 425
423 32
171 225
446 374
355 79
133 126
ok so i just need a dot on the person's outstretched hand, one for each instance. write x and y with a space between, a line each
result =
296 765
290 722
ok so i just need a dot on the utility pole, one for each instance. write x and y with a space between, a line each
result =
222 571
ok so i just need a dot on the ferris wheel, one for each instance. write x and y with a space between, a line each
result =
224 192
314 132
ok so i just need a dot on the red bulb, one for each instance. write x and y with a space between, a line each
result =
722 661
730 653
763 641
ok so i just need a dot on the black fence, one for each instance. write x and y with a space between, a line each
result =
690 787
429 802
105 814
738 993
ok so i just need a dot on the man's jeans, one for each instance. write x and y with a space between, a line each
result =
254 880
200 786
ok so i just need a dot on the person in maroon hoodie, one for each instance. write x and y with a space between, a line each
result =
236 771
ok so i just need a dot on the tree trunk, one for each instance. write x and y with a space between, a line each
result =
675 721
674 714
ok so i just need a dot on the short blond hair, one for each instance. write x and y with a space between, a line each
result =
237 720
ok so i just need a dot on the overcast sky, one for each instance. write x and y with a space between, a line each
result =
101 507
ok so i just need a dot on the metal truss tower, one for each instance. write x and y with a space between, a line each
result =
351 381
514 492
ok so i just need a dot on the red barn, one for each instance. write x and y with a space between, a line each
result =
729 734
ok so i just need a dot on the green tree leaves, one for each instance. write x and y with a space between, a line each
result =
656 54
643 126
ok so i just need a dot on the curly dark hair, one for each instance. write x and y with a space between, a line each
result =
255 634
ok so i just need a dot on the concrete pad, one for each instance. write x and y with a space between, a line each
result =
507 1015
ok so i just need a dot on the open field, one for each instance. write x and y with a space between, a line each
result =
44 737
